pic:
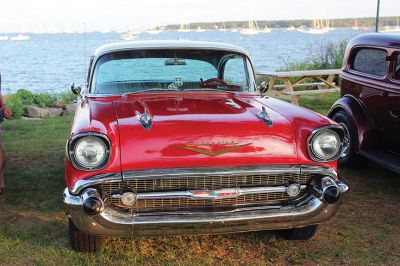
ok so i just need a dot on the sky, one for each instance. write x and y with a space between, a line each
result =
61 15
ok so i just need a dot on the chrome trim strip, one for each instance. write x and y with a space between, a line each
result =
100 95
319 170
226 193
94 180
203 171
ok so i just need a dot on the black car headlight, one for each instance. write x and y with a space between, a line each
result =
89 151
325 143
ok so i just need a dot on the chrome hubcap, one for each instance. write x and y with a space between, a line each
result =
346 141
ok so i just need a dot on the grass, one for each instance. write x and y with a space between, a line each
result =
33 226
319 103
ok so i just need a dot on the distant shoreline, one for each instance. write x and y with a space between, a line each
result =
363 22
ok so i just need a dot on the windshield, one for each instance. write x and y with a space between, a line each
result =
141 70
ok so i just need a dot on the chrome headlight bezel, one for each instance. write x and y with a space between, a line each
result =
78 137
336 130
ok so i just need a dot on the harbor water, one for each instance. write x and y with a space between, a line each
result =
53 62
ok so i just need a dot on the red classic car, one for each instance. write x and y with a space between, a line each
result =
174 137
369 109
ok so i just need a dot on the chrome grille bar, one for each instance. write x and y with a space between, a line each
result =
208 194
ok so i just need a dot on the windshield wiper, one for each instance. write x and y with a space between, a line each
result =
154 89
210 89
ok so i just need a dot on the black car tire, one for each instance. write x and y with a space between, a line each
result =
82 242
349 158
302 233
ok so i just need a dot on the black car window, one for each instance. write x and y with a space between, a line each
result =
370 61
396 72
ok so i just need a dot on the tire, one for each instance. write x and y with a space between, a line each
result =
302 233
82 242
349 156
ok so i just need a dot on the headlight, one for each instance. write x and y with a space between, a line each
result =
325 144
89 152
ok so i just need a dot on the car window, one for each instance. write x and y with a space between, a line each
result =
371 61
138 70
235 71
160 69
396 72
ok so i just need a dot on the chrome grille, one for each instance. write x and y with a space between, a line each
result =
212 182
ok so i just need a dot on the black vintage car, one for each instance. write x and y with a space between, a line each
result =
369 109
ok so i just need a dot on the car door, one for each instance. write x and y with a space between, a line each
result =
392 132
371 65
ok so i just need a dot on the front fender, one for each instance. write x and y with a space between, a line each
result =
357 113
94 115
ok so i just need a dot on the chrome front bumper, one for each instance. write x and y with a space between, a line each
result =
311 210
110 222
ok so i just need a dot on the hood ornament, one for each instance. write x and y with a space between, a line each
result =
146 120
264 116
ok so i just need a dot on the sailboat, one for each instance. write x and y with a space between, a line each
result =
301 28
120 28
266 30
129 36
184 28
318 28
333 25
355 27
51 29
155 31
252 29
320 25
223 28
20 37
199 29
291 28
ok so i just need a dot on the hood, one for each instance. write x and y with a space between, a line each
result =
207 130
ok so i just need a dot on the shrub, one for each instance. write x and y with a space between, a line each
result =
25 96
67 97
329 56
43 99
22 98
14 102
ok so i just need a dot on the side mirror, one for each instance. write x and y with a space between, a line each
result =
76 89
264 86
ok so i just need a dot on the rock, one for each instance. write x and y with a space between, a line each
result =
30 119
70 108
53 112
36 112
58 104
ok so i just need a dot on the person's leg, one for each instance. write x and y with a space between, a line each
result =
2 163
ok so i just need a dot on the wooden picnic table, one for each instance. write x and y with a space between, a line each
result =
287 89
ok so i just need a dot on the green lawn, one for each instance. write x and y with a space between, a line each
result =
33 226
